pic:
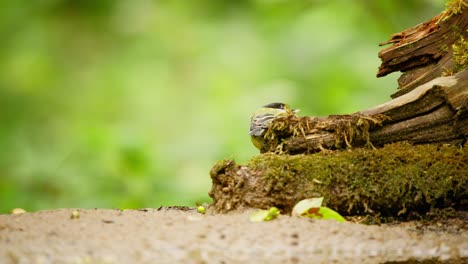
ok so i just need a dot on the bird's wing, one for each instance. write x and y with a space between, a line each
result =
260 123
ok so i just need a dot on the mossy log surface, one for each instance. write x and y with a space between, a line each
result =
401 158
397 180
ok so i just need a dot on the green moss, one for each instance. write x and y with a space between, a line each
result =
444 48
349 130
452 7
455 6
220 166
460 54
395 180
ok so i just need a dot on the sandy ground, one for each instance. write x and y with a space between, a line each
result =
184 236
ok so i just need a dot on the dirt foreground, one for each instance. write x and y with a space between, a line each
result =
181 235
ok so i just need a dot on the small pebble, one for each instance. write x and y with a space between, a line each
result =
18 211
75 215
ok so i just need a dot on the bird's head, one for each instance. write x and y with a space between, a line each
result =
276 106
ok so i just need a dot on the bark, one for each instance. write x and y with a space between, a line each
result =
399 179
435 112
429 107
425 52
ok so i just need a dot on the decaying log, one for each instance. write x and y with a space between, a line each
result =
435 112
397 180
426 51
431 105
397 162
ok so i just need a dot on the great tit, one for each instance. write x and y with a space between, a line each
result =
262 118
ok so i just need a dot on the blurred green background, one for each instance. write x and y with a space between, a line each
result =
128 104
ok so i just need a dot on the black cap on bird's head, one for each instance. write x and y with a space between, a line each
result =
275 106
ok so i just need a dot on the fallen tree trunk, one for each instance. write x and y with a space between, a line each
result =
395 179
431 105
435 112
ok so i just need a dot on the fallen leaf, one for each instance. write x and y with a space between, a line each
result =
305 205
312 208
264 215
326 213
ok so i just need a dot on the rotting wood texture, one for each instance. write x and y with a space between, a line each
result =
431 105
400 179
426 51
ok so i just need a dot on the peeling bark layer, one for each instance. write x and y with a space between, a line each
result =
435 112
425 52
431 105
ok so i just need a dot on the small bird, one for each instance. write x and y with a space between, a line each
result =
262 118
